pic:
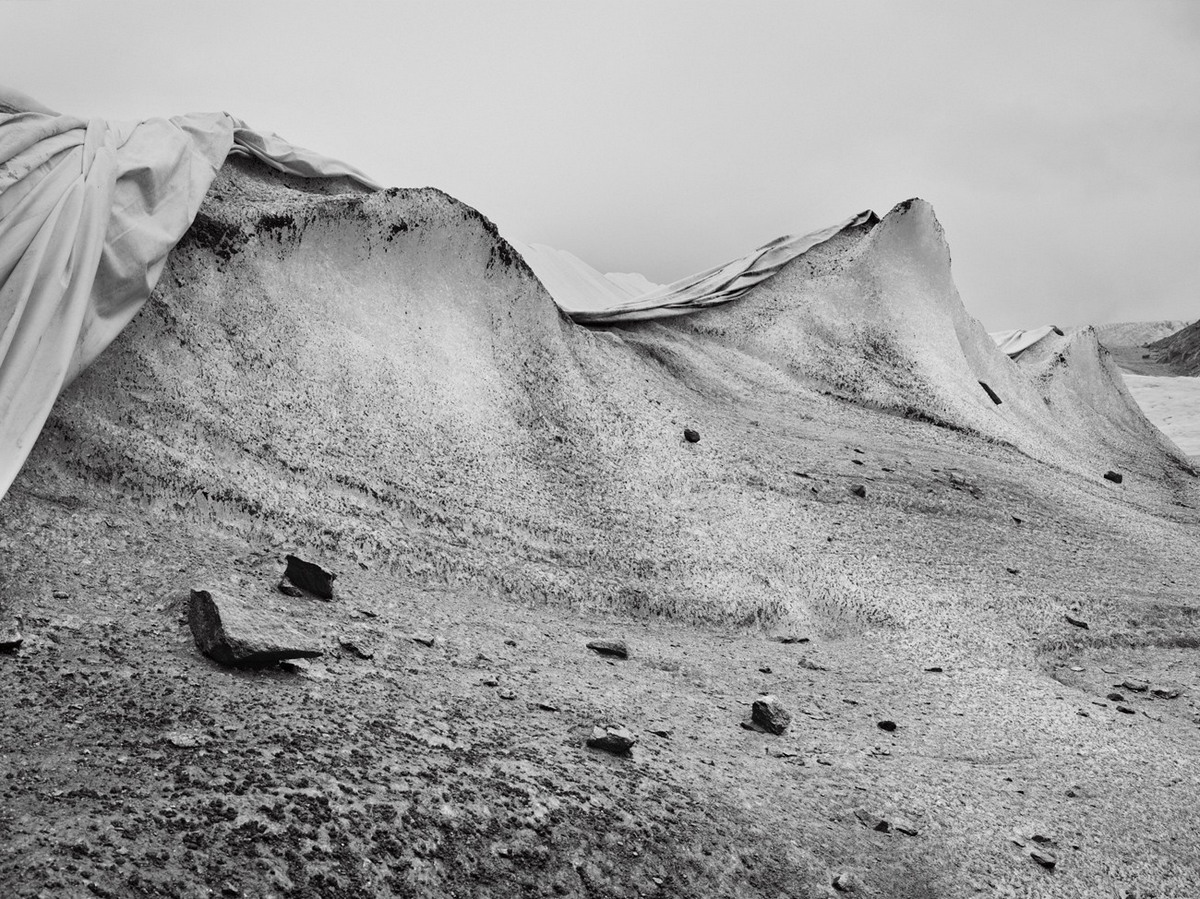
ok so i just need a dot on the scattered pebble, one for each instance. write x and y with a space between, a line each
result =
859 490
1075 622
691 436
889 726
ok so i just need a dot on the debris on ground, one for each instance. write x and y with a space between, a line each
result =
234 633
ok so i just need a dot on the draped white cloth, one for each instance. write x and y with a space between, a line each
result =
717 285
1014 343
89 210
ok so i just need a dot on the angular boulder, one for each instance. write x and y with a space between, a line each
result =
610 648
616 740
769 714
235 634
307 576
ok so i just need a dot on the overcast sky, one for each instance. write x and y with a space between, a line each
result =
1058 141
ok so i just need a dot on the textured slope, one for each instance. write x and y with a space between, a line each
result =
380 379
1181 350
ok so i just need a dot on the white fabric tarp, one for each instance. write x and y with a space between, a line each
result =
89 210
717 285
1014 343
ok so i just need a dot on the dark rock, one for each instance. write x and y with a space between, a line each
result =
1166 692
510 642
1114 477
1076 622
1018 520
309 577
857 461
610 648
1013 570
354 649
889 726
1135 686
616 740
859 490
992 395
806 662
691 436
1125 710
872 822
10 638
238 635
766 669
422 639
661 730
846 883
790 639
490 682
547 707
934 669
770 715
507 694
1115 697
1043 858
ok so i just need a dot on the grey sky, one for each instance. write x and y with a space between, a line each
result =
1059 142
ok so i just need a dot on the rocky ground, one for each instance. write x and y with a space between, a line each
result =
1029 755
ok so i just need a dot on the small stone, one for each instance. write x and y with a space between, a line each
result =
770 714
766 669
423 640
616 740
61 594
904 826
809 664
846 883
507 694
547 707
889 726
1075 622
354 649
11 639
309 577
296 666
661 730
1166 692
1115 697
788 638
235 634
691 436
1135 686
610 648
1043 858
287 588
859 490
490 682
1125 710
872 821
510 642
934 669
1114 477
